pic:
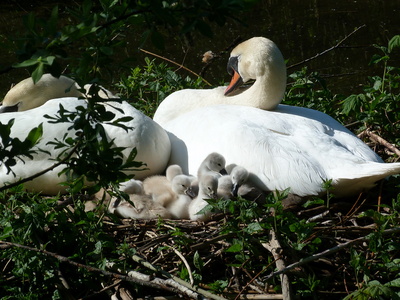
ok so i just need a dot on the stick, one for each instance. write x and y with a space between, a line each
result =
89 268
185 263
328 252
274 247
377 139
327 50
175 63
148 265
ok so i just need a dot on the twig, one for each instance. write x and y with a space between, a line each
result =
148 265
185 263
96 294
175 63
377 139
89 268
275 248
327 50
328 252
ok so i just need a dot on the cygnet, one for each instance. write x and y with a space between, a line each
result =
241 184
214 162
132 186
144 208
179 207
172 171
208 185
225 187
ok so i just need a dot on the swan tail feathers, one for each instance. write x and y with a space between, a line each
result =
364 178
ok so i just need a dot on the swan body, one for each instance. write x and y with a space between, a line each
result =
150 140
291 147
257 58
208 186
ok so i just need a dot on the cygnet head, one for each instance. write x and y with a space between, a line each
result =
180 184
208 186
239 176
225 187
27 95
214 162
172 171
132 186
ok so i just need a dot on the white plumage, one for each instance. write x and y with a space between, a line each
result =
150 140
289 147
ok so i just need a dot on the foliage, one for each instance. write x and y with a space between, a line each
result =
377 108
150 84
98 32
12 149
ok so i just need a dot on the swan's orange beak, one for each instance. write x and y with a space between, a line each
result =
236 81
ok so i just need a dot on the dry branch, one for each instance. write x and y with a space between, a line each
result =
379 140
89 268
275 248
328 252
175 63
327 50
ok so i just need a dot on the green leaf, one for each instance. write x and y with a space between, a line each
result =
235 248
27 63
253 228
35 134
38 72
107 50
394 42
393 283
197 261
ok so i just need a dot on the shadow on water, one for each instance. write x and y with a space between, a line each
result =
302 29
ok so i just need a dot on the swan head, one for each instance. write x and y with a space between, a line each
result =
27 95
209 185
261 60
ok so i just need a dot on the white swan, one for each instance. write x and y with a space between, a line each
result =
27 95
290 147
266 92
150 140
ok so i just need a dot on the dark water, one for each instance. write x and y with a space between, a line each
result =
302 29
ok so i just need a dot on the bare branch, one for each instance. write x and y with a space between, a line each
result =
328 252
327 50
